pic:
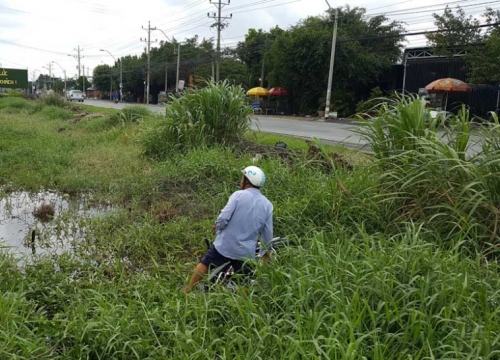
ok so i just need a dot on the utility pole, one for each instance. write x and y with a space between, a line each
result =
262 73
178 52
213 68
148 40
220 25
83 88
332 61
78 58
166 77
78 50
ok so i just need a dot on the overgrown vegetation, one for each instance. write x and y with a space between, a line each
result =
214 114
394 257
53 99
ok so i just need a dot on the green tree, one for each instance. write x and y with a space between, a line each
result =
300 57
456 32
102 77
83 80
253 50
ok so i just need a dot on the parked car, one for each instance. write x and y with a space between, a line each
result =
75 95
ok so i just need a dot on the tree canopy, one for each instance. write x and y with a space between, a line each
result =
458 32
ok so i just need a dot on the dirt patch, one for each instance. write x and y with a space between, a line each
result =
315 156
85 116
327 162
45 212
74 108
163 212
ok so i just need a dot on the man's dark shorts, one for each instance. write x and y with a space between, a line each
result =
213 259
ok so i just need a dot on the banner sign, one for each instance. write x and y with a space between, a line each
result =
13 78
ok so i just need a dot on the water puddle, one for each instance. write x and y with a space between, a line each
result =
45 223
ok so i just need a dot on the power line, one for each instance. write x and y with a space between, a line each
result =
31 47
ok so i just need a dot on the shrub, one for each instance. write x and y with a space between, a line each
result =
54 100
14 93
397 126
14 102
429 179
215 114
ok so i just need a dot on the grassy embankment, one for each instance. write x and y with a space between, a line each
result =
378 273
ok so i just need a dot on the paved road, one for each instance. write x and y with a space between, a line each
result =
343 134
338 133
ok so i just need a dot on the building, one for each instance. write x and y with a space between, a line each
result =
420 66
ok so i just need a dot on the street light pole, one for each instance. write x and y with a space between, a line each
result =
332 61
64 71
121 73
166 61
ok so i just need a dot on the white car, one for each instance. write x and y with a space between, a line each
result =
75 95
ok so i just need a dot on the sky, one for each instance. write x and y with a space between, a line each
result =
35 33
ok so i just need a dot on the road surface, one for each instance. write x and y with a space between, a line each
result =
337 133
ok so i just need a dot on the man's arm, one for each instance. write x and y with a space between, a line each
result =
267 234
226 213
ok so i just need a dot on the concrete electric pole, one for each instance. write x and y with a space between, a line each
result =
332 60
78 57
148 40
178 52
220 26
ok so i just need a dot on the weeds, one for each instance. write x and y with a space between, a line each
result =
215 114
390 261
129 115
44 212
54 100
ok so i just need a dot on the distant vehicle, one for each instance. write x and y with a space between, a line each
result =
75 95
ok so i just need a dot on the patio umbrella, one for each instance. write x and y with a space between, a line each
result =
258 91
448 85
279 91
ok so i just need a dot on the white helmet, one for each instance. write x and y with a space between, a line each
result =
255 175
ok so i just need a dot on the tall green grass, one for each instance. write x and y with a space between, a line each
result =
392 259
214 114
434 177
335 296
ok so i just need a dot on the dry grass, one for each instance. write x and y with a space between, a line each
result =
45 212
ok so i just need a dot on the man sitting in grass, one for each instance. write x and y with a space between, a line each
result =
247 215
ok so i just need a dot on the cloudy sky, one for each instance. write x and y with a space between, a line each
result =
34 33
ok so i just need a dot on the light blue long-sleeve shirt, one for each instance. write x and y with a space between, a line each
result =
247 215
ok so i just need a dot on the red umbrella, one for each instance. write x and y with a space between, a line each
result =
279 91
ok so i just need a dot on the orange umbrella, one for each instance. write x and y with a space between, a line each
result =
448 84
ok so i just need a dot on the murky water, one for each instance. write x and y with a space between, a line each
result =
22 233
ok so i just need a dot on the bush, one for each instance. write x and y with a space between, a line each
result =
14 93
216 114
14 102
430 180
54 100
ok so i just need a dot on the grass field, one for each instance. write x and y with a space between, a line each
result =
366 280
